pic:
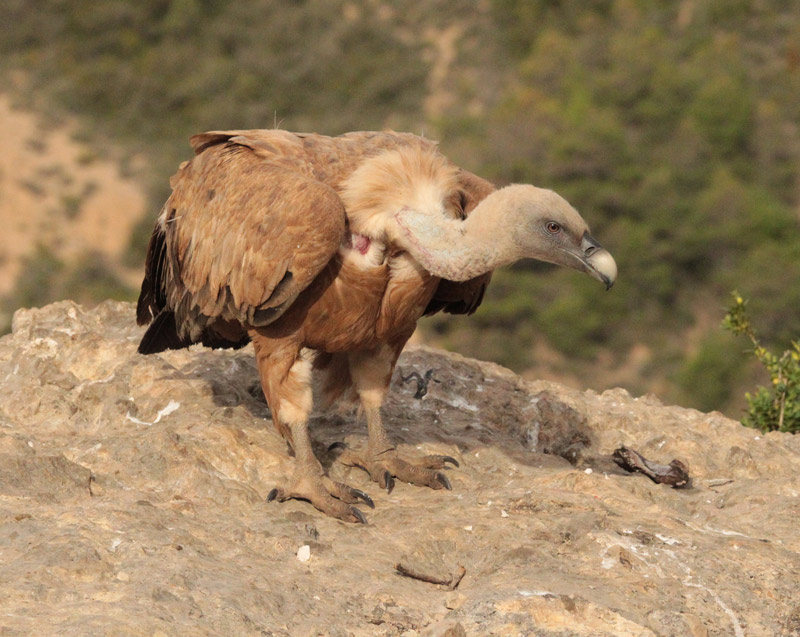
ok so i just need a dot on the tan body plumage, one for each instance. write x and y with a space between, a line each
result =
320 250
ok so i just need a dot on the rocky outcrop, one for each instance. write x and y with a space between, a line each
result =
132 492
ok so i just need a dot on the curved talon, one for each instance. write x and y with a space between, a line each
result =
332 498
388 481
339 444
364 497
446 459
387 466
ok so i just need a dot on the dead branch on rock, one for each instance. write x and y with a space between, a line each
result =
675 474
451 582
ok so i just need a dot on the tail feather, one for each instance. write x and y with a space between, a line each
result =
162 334
152 298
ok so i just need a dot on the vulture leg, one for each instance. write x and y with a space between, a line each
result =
286 380
371 373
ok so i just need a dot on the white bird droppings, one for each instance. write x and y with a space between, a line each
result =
171 406
536 594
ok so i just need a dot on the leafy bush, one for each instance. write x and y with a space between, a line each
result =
776 408
707 379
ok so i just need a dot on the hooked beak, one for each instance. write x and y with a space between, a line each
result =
598 261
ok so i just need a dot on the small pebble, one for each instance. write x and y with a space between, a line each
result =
588 470
468 528
304 553
503 514
454 600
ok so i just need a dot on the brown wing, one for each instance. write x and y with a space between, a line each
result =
464 297
241 236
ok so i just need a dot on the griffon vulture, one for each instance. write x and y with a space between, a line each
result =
325 252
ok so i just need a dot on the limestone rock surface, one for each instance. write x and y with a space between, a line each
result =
132 502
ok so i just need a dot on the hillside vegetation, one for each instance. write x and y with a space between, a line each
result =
66 215
673 127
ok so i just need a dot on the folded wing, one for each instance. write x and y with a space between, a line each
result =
244 232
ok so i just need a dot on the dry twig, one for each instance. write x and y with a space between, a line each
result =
451 582
675 474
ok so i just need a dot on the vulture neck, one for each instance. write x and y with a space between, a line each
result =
461 250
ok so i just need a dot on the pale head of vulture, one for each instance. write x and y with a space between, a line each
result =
513 223
548 228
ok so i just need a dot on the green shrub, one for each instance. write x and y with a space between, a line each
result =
706 379
776 408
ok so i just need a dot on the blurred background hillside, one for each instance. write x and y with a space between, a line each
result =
673 127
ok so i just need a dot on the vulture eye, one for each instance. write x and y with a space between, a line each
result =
553 227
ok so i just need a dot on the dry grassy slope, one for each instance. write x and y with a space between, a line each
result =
56 192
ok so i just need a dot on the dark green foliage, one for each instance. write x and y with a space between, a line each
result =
154 72
35 286
774 408
45 278
707 378
659 121
673 127
140 236
71 205
92 279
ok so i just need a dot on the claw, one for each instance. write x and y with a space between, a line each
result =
363 496
388 481
361 518
446 459
272 495
337 445
444 481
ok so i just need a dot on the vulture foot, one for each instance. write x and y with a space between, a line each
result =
331 497
384 467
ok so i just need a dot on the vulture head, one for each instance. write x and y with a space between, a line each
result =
512 223
546 227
